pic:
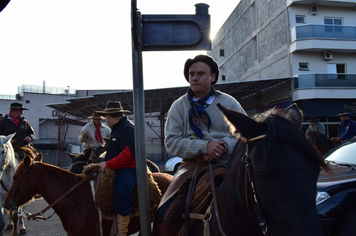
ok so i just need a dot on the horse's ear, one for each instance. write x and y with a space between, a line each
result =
71 155
242 123
27 160
294 115
39 157
9 137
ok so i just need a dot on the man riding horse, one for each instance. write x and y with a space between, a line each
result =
14 122
94 133
195 129
120 157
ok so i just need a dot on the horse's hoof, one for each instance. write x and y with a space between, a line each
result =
8 227
23 231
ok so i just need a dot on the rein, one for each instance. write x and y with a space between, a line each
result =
250 180
213 204
38 214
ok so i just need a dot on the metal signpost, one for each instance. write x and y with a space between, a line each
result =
159 33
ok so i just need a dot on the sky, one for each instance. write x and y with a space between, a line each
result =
87 45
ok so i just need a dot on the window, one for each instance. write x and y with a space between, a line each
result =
334 22
223 77
222 52
300 19
336 71
303 66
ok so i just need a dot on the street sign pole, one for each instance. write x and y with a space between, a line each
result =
159 33
139 113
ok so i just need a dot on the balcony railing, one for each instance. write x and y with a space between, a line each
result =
45 89
325 81
325 32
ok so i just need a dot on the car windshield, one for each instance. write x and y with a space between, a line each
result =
345 153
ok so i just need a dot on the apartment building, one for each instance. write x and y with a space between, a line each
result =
311 42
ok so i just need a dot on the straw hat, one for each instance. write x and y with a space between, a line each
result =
113 107
96 116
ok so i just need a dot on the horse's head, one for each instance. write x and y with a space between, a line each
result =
7 154
21 191
79 161
283 168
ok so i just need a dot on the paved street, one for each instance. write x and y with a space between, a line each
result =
52 226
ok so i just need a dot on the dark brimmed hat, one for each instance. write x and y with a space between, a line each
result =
312 119
16 105
203 58
96 116
113 107
343 113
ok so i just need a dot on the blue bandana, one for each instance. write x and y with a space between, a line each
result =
197 112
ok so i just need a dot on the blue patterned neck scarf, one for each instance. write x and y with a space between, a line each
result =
197 112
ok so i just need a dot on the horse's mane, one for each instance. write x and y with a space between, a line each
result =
279 127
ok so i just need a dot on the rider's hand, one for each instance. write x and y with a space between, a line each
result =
27 139
102 164
215 149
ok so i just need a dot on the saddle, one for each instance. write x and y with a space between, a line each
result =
104 192
22 151
174 216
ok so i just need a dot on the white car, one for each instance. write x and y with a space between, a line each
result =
173 164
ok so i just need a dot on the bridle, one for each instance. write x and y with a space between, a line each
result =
38 215
249 180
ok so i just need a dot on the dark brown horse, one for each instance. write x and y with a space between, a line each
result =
321 143
76 210
270 187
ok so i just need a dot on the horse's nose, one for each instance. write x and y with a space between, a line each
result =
10 205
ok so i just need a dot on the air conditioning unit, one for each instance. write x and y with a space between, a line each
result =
314 10
328 55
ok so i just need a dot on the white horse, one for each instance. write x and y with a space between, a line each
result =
8 164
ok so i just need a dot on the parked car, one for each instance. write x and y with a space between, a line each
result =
173 164
336 197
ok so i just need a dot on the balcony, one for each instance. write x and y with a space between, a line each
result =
324 86
340 3
323 37
304 81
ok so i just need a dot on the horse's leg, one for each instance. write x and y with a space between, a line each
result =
22 227
14 219
2 223
9 225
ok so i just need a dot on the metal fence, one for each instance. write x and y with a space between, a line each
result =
325 32
325 81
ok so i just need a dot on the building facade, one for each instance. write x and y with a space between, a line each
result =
311 42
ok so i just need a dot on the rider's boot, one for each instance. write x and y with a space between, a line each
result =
122 224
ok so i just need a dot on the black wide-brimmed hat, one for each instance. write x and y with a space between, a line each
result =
113 107
16 105
343 113
203 58
96 116
312 119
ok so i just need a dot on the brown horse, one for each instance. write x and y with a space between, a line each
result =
321 143
76 210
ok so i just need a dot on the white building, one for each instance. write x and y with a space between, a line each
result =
311 42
